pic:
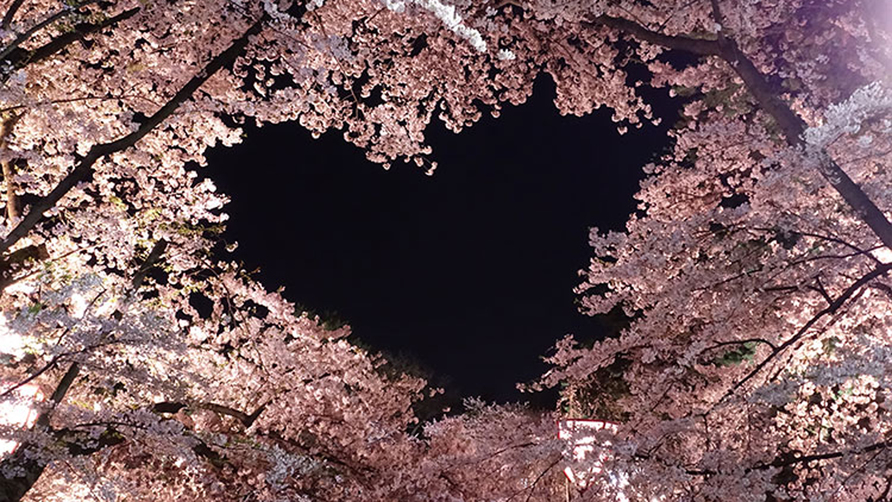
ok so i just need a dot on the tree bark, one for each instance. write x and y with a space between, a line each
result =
26 458
10 13
24 36
12 201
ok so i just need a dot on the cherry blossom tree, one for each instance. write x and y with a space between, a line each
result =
168 373
754 277
165 372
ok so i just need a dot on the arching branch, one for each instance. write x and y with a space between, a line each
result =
789 122
10 13
699 46
24 36
17 58
84 168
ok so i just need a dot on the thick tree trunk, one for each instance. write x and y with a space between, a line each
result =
793 128
12 489
12 202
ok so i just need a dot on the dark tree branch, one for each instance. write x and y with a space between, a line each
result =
28 456
46 367
107 97
884 497
84 169
789 122
720 22
784 462
154 255
10 13
245 419
793 126
8 168
77 444
19 260
820 289
830 309
741 342
790 460
540 476
843 242
885 288
18 58
59 393
699 46
24 36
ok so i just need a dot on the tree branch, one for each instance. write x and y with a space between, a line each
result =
39 26
539 478
8 168
107 97
59 393
31 467
830 309
18 58
154 255
784 462
244 418
10 13
84 169
792 127
789 122
27 458
740 342
699 46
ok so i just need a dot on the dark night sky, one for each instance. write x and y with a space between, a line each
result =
469 271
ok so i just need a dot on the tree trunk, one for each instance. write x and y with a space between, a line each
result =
8 166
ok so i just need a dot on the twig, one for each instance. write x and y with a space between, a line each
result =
830 309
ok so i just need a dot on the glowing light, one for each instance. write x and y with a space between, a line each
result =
17 410
883 254
11 343
588 454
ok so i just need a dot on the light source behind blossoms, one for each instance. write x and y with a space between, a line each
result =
746 277
581 438
17 411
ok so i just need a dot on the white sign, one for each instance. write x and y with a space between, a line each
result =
588 455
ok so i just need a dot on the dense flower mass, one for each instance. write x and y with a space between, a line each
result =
753 361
